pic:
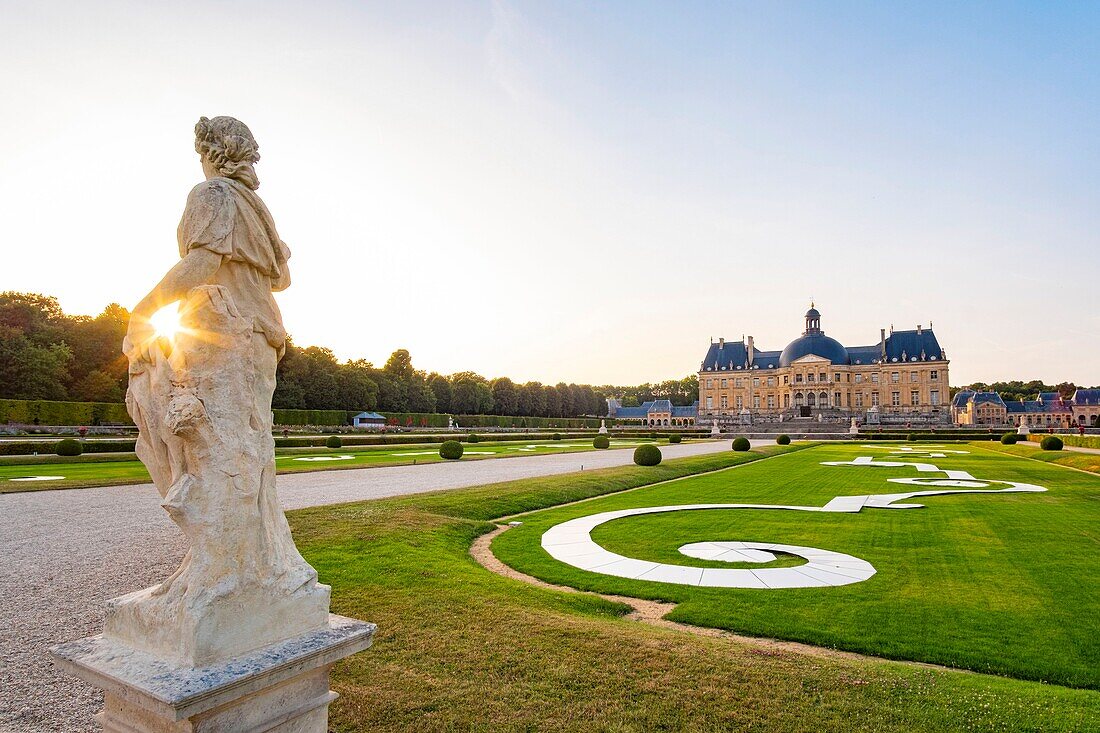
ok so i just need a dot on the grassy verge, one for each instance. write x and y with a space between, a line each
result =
94 470
1006 584
1084 461
460 648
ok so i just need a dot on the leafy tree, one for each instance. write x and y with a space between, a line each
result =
30 371
399 366
441 388
505 396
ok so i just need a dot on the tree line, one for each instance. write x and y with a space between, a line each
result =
1016 390
46 354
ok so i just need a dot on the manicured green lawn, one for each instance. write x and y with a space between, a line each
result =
1002 583
108 471
460 648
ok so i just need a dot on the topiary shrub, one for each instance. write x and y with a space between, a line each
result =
912 437
70 447
1051 442
647 455
741 444
674 438
601 442
1010 439
555 436
472 438
333 441
783 439
452 449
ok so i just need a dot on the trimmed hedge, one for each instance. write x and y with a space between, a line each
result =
30 447
741 444
555 436
783 439
1077 441
647 455
1010 439
674 438
1051 442
451 450
69 447
601 442
472 438
333 441
47 412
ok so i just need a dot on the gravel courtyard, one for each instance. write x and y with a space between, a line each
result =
63 553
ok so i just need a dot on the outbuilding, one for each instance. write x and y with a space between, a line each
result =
369 420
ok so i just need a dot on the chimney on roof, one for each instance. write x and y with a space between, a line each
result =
721 342
750 351
918 329
882 341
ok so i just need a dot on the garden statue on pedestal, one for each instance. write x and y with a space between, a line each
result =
603 428
202 404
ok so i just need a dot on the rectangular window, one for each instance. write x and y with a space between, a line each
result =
895 377
895 399
798 378
836 399
935 395
874 378
836 377
710 402
785 379
786 400
823 377
771 402
725 402
756 402
737 382
771 381
710 383
756 381
934 375
809 377
914 398
725 383
740 404
913 377
859 379
874 399
859 399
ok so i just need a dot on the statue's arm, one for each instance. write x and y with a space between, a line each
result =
194 270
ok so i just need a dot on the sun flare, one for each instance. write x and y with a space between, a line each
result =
166 321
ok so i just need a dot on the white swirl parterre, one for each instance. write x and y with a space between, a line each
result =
571 542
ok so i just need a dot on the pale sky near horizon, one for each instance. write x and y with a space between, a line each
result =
584 192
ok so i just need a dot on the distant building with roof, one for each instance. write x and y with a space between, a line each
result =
1047 410
655 413
369 420
902 378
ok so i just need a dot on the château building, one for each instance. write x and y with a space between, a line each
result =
1047 410
902 378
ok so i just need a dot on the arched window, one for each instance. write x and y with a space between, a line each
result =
823 399
811 400
798 399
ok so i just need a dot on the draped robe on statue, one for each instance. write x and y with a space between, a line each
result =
203 407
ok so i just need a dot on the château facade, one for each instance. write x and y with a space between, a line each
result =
902 378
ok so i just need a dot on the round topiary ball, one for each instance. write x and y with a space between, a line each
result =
555 436
451 450
783 439
674 438
333 441
912 437
601 442
741 444
1010 439
472 438
647 455
1051 442
69 447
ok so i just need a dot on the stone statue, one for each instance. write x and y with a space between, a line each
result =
203 407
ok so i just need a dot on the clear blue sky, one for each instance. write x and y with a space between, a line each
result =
585 192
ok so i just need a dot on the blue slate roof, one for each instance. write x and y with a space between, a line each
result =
912 346
916 345
1013 407
686 411
990 397
1086 397
642 411
962 397
369 416
631 412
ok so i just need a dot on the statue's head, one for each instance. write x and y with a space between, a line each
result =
227 149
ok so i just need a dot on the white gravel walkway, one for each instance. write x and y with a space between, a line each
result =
63 553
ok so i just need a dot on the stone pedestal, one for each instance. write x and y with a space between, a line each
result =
281 687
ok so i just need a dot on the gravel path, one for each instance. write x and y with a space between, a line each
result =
63 553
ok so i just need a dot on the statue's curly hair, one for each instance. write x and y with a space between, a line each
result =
228 144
